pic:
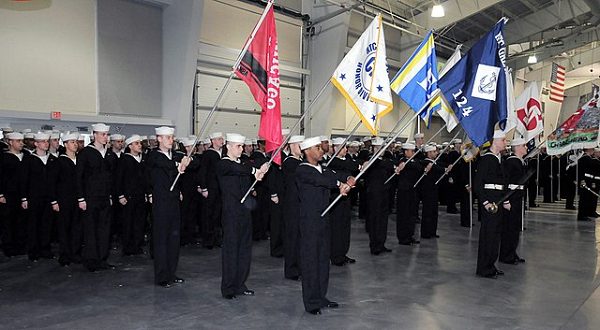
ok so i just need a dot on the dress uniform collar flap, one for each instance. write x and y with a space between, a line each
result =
19 155
72 159
235 161
292 156
43 158
220 151
138 158
166 153
102 151
317 167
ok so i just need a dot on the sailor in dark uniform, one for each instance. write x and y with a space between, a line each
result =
209 187
190 205
63 189
314 184
363 155
408 173
260 215
515 170
340 213
326 148
454 189
14 234
570 181
377 198
587 207
95 166
433 171
291 211
162 166
132 186
117 144
235 178
489 187
35 198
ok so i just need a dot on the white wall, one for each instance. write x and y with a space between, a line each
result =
47 56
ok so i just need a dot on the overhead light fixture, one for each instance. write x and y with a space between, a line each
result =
437 11
532 59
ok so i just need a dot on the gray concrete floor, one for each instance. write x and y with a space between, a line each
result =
431 286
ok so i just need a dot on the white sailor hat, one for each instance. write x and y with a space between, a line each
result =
7 130
296 139
29 135
67 136
517 142
81 138
596 149
498 134
55 135
133 138
100 127
338 141
41 136
408 146
206 141
151 137
310 142
366 138
247 142
377 141
164 130
454 141
254 141
419 136
354 144
235 138
188 141
14 136
117 137
27 130
285 131
445 144
429 148
324 138
215 135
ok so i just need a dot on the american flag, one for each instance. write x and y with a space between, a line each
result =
557 83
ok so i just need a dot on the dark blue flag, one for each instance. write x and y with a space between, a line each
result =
475 87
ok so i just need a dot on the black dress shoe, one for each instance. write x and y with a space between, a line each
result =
164 284
436 236
315 311
230 296
106 265
375 253
499 272
350 260
386 249
293 278
520 260
406 243
178 280
248 293
570 207
492 276
332 304
341 263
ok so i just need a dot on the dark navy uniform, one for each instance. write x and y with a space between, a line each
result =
587 200
377 202
314 185
14 234
132 183
162 169
211 217
407 201
63 189
489 186
235 179
515 171
34 189
94 186
340 213
429 222
291 212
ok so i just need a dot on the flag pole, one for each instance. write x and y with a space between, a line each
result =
436 159
287 138
419 151
470 195
344 143
455 162
382 150
358 125
220 96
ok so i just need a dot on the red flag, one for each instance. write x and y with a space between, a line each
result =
259 69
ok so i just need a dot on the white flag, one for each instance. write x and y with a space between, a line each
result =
528 112
362 77
444 110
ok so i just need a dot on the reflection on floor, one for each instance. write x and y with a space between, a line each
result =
429 286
